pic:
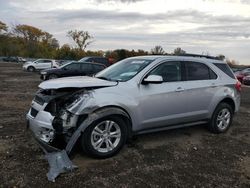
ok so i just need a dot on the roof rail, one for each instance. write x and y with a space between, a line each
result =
204 56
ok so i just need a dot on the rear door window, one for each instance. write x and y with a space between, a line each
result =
47 61
86 67
199 71
97 68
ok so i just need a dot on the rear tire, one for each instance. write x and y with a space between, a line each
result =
222 118
104 137
31 69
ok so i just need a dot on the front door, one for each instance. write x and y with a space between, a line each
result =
164 104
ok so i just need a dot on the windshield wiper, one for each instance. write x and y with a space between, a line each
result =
103 78
108 79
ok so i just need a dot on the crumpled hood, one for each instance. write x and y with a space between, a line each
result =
75 82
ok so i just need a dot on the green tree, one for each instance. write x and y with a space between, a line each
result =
81 38
29 33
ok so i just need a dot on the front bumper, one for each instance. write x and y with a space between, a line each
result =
40 123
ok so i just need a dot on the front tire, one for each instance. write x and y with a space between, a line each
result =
31 69
222 118
104 137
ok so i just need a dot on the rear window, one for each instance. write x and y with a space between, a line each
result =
225 68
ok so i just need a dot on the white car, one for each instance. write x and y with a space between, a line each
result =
40 64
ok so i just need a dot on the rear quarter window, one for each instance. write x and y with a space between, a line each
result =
225 68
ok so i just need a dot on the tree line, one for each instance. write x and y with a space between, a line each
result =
29 41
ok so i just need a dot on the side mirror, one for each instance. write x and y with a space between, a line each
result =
153 79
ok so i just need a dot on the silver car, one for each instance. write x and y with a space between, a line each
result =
134 96
40 64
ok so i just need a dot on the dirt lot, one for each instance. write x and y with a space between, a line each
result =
189 157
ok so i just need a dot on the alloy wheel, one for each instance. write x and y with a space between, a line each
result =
106 136
223 119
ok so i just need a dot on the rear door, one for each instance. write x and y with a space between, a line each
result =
86 69
97 68
39 64
200 87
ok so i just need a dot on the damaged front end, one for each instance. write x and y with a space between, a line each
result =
60 112
53 124
49 117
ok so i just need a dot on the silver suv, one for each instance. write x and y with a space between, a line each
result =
134 96
40 64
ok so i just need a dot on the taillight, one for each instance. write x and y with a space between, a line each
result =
238 86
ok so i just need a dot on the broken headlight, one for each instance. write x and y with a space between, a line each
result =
78 98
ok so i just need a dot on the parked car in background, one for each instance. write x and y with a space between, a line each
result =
134 96
39 64
101 60
236 69
241 74
14 59
72 69
246 80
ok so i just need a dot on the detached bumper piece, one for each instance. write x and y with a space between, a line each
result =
59 162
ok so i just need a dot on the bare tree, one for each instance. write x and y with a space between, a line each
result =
81 38
157 50
179 51
221 57
231 62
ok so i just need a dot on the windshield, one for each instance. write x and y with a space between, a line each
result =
123 70
83 59
64 65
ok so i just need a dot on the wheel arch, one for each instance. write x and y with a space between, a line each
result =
95 115
118 111
31 66
229 101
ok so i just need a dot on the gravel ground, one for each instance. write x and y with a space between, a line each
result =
188 157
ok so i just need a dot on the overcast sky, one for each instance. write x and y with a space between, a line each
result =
197 26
